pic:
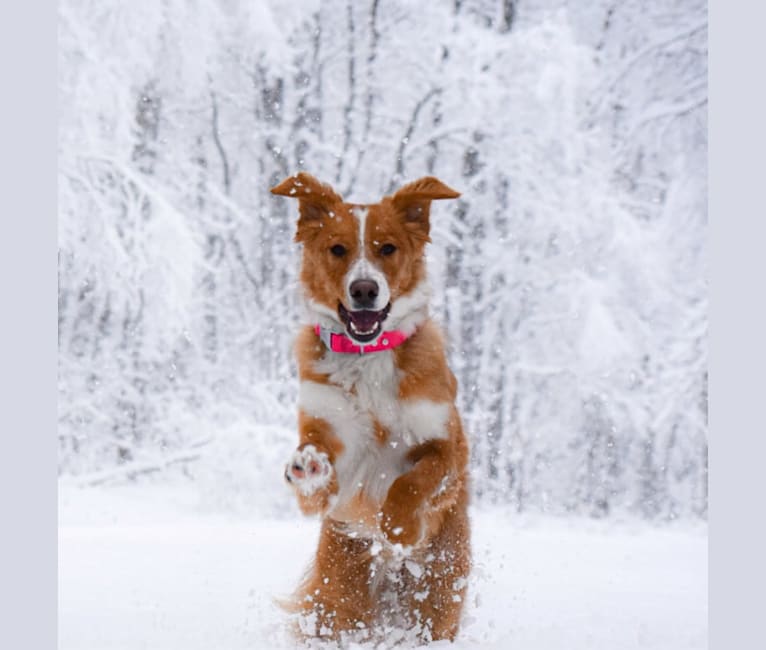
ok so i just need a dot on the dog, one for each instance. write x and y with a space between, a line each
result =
382 456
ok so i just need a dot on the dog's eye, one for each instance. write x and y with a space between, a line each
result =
387 249
338 250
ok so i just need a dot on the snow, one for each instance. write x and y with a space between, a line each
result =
145 566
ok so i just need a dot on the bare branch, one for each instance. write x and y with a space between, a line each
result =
219 144
130 471
396 178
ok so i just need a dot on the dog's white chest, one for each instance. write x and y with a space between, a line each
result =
363 391
371 381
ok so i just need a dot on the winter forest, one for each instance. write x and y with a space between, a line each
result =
570 278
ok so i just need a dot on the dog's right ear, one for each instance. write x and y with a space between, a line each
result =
413 201
315 199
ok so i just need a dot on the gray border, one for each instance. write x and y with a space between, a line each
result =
28 327
737 365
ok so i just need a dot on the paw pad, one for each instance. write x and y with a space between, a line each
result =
308 469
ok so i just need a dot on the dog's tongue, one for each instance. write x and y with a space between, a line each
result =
364 320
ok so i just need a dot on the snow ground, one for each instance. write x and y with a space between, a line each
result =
143 567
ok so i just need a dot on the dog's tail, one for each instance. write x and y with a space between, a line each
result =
296 606
296 602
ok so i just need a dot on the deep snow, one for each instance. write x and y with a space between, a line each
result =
144 567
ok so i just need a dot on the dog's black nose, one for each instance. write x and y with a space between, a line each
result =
364 293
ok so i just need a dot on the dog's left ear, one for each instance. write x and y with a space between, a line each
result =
413 200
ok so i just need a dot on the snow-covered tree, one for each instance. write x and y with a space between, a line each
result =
570 276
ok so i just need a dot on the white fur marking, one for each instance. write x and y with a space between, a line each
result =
330 403
410 310
322 314
361 217
424 420
362 268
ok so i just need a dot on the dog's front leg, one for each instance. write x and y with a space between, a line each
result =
311 468
402 518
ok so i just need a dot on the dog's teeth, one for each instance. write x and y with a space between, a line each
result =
354 328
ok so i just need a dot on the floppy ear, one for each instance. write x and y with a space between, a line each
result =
315 198
413 200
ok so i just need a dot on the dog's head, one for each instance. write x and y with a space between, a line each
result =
363 265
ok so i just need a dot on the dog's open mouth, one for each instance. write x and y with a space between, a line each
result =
363 325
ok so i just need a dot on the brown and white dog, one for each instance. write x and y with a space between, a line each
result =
382 455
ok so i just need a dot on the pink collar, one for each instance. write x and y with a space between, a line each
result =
338 342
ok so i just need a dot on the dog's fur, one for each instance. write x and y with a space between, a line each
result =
382 456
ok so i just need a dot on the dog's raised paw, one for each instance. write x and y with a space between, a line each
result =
308 469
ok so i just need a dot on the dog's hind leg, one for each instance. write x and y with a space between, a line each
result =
336 596
439 578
